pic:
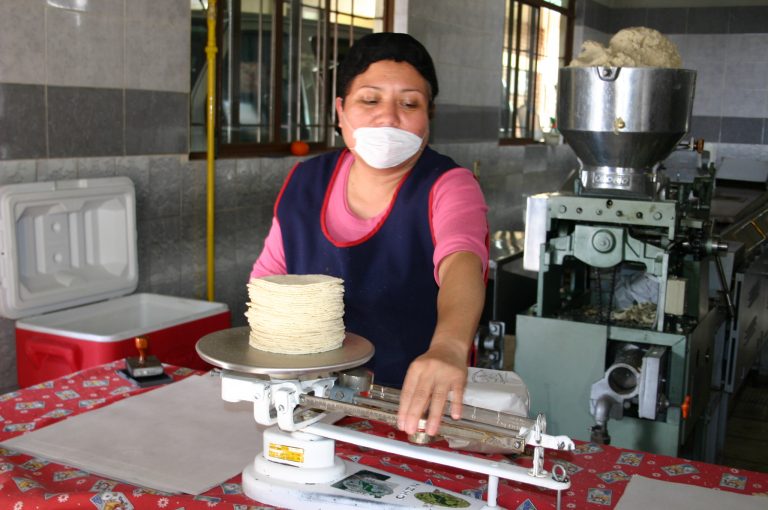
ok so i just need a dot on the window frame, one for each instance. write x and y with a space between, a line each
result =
569 13
250 149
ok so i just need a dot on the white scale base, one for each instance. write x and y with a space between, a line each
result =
359 487
300 470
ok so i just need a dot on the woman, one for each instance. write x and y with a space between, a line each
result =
404 226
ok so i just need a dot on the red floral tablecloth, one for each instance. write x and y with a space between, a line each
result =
599 474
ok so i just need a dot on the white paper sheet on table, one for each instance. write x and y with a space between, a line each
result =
179 438
644 493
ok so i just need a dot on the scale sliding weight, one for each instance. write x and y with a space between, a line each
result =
298 466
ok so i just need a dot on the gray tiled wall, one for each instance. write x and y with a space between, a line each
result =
23 122
83 122
156 122
106 78
39 121
727 46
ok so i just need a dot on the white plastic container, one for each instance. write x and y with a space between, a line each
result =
65 244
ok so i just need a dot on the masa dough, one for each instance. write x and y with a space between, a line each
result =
296 314
630 47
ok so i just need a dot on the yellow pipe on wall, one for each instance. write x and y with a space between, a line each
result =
210 52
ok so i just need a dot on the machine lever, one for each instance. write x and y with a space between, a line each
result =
499 438
475 414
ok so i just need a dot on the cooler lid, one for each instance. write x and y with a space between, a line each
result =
66 243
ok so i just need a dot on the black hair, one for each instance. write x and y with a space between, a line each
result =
372 48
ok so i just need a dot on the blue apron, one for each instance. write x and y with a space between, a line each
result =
390 294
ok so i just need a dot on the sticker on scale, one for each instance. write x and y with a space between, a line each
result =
287 453
367 483
440 498
379 485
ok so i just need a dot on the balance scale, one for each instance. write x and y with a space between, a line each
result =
299 395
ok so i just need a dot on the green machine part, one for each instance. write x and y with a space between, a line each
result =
560 360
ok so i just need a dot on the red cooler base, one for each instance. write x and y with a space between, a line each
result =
43 356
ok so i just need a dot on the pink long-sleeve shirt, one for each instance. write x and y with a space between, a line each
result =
459 221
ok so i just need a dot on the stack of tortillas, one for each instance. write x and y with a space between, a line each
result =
296 314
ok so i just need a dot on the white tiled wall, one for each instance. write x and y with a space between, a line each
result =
465 43
138 44
22 39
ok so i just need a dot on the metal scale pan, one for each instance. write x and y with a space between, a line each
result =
229 349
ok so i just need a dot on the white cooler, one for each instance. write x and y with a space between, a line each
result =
68 265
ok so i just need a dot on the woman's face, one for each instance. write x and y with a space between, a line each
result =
387 94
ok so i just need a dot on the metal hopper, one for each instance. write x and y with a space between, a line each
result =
621 121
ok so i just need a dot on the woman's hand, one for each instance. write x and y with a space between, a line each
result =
432 378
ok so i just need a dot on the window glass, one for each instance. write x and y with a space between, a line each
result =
534 49
246 78
263 105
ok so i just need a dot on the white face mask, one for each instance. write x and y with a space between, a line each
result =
385 147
